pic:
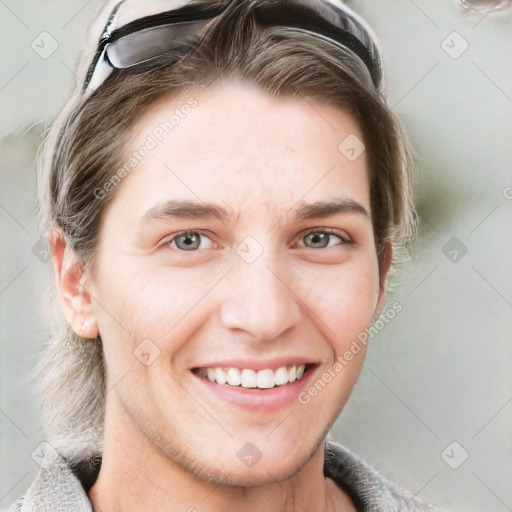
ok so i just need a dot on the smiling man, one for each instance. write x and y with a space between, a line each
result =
235 335
207 288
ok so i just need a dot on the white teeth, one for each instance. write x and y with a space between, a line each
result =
220 376
265 379
281 376
262 379
234 377
248 379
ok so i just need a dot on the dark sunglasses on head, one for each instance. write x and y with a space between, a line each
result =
176 31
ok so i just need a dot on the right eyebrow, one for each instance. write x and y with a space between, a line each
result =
185 209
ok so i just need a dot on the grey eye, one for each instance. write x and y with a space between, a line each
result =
189 241
319 239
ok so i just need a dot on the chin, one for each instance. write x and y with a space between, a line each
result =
278 461
225 469
262 473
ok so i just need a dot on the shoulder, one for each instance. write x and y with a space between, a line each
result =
369 489
55 488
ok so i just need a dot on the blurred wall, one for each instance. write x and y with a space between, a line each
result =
433 406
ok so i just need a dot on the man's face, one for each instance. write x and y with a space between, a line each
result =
273 284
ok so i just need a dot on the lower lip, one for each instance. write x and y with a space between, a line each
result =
260 400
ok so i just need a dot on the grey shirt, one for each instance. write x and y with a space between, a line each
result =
58 487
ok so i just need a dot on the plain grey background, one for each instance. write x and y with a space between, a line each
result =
436 387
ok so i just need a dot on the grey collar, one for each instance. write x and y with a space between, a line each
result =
59 487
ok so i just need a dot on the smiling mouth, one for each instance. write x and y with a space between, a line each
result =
252 379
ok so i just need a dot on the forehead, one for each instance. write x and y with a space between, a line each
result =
236 143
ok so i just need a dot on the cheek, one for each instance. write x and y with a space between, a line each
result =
137 303
343 298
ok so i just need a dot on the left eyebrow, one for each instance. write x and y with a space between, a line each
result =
320 209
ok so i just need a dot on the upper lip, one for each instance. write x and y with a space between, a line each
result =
258 364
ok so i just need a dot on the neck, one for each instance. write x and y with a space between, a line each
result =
136 476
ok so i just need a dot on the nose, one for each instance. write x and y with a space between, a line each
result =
259 298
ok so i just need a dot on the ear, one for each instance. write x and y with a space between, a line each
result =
383 272
70 276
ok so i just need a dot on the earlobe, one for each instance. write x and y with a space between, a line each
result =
383 272
73 296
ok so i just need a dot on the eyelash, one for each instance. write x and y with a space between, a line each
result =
329 231
182 233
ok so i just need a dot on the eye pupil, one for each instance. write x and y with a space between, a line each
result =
319 238
190 241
